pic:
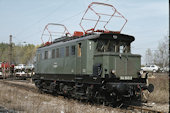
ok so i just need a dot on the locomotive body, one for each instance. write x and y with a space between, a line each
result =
94 55
97 66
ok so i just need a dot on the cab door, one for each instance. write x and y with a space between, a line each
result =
79 58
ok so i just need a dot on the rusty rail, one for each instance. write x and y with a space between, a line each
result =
143 110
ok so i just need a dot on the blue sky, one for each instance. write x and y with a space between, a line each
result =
148 20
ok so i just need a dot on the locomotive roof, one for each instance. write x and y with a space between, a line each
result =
112 36
93 36
116 37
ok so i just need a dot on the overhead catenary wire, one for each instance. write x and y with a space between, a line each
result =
52 12
46 16
32 34
65 19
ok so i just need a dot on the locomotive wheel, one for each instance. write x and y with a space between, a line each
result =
111 99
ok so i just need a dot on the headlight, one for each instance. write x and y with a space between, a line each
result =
113 72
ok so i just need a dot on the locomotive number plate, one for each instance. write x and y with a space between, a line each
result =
125 77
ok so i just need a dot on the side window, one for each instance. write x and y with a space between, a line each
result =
67 51
53 53
46 55
57 53
49 54
73 50
62 52
79 50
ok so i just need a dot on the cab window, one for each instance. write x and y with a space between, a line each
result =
67 51
72 50
121 50
106 46
53 53
62 52
46 55
112 46
57 53
122 47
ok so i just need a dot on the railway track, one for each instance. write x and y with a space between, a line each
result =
140 109
26 85
22 84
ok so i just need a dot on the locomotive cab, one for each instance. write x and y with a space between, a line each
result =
113 57
117 66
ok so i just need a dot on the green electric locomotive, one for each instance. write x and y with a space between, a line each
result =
95 65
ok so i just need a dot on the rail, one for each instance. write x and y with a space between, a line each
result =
143 110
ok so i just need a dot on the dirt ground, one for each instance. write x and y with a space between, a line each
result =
29 101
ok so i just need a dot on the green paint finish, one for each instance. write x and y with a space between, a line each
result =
61 65
124 64
72 64
90 58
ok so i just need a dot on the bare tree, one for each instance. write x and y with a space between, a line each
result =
148 57
159 56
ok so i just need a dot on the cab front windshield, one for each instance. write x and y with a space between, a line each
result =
112 46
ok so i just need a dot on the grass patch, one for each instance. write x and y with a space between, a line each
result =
161 91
